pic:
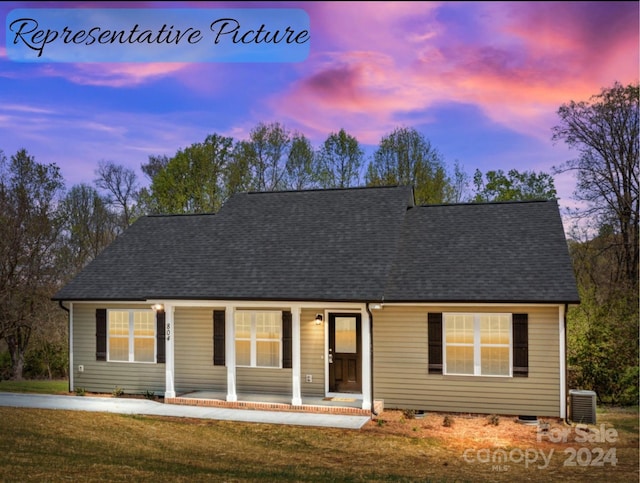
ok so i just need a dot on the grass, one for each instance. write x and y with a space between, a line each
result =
46 445
40 387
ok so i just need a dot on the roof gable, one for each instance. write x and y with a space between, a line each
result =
489 252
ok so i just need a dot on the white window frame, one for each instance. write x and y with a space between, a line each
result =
253 340
477 345
131 337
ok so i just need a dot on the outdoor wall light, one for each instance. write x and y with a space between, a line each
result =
318 319
156 307
376 306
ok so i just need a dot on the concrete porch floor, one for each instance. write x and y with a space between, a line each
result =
343 404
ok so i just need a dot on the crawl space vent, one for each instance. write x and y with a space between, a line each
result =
583 406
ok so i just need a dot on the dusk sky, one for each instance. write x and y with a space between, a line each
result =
481 80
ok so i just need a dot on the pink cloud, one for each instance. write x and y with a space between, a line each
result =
113 75
517 62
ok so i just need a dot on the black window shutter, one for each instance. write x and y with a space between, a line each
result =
218 337
287 360
434 321
520 328
101 334
160 337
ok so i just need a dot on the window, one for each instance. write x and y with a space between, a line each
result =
131 335
258 339
477 344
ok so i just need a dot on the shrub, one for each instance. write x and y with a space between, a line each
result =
117 391
409 413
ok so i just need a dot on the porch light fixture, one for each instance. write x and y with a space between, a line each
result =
376 306
156 307
318 319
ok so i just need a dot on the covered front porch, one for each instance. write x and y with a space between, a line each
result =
317 356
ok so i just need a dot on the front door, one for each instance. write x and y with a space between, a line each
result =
345 353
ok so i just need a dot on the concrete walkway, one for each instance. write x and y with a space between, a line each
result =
153 408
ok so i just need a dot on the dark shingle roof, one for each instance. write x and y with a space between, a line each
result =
493 252
306 245
359 244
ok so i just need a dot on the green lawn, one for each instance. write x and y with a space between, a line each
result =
56 445
41 387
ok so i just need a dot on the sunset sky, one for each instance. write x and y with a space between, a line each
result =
481 80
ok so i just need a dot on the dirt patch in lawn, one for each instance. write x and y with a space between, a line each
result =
502 448
462 430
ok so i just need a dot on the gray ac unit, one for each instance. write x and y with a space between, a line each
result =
582 406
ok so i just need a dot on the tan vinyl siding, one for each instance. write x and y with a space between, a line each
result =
261 380
312 360
401 367
102 376
193 346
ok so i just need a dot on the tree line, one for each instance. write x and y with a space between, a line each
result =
48 233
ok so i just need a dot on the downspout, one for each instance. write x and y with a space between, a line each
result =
566 367
70 344
373 406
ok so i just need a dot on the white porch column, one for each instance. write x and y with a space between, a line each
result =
230 352
563 362
296 397
169 390
366 361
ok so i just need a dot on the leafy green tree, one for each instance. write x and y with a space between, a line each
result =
193 180
603 330
514 185
273 158
340 160
30 225
237 173
265 154
299 167
405 157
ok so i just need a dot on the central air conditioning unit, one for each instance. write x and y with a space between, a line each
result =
582 406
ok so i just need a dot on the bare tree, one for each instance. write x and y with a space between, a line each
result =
605 133
121 187
155 165
89 227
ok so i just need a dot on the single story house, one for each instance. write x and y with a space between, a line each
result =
320 293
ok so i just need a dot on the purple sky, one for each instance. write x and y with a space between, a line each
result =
481 80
